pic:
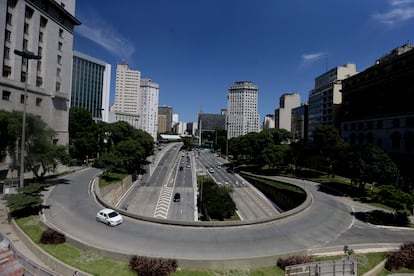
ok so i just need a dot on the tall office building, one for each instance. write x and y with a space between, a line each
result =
91 79
242 114
127 86
44 28
165 114
283 115
149 106
325 99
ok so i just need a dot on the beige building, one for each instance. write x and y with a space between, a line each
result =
283 115
325 99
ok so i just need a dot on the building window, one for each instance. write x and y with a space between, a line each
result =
29 12
9 19
23 77
6 95
60 46
396 123
25 44
22 99
39 66
395 140
40 36
6 71
58 72
59 59
57 86
26 28
39 81
43 22
7 36
38 101
6 54
60 33
39 51
380 124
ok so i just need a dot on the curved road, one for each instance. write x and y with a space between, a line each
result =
328 222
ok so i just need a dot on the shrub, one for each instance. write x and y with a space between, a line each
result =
403 258
293 260
50 236
146 266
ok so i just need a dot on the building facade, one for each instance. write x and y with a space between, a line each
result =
44 28
91 80
299 123
378 107
165 114
283 115
269 121
127 96
242 111
149 106
325 99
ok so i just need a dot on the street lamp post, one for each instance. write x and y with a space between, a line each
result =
28 56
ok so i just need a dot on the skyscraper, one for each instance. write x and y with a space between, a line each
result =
242 114
127 96
149 106
91 80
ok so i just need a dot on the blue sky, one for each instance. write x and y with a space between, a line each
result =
195 49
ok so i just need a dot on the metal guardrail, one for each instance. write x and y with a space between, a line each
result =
344 267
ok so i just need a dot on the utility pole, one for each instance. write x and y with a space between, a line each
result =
28 56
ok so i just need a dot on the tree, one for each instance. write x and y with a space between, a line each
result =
27 201
369 164
82 134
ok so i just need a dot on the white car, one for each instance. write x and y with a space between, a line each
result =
109 216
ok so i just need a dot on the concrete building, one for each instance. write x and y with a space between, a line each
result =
149 106
299 123
378 107
325 99
269 121
44 28
165 117
242 112
91 80
127 86
209 125
283 115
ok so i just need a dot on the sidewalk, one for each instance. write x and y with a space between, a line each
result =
7 231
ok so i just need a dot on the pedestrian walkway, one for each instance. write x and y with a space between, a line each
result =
20 247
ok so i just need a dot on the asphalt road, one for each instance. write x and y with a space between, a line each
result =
328 222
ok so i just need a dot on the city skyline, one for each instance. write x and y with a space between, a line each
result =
196 50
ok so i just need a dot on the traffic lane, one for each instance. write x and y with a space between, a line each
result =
152 239
183 209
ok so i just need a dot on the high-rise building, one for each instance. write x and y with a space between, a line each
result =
299 123
242 114
269 121
127 86
91 79
149 106
283 115
325 99
45 29
136 100
166 114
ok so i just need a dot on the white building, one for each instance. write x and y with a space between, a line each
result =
242 114
326 97
283 115
149 106
269 121
44 28
127 86
136 100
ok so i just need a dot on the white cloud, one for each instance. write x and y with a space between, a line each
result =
103 34
400 11
308 59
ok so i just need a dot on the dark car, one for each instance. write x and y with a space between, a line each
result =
177 197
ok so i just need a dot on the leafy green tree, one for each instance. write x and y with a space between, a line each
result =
82 134
27 201
369 164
